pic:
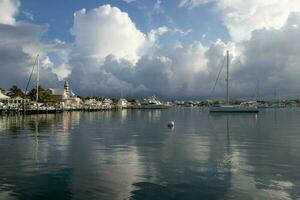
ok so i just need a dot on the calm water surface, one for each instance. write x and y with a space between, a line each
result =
133 155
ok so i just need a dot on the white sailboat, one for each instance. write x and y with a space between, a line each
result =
122 103
242 108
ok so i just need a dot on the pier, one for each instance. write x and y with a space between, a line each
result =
50 110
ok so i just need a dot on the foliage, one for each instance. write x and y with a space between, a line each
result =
45 96
15 91
91 97
2 90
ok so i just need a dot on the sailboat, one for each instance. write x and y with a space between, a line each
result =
122 103
227 108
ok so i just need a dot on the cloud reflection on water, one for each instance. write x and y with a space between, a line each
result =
94 155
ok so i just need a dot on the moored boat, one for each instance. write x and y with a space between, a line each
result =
227 108
152 103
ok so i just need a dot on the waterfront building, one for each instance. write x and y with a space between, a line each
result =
66 98
12 103
3 99
107 103
92 104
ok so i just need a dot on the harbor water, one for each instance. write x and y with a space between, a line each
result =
132 154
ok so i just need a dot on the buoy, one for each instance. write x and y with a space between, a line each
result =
171 124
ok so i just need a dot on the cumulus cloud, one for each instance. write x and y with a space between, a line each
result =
20 42
242 17
19 47
8 10
103 36
178 70
168 71
110 54
107 31
272 57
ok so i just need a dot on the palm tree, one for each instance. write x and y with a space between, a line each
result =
15 91
2 90
45 96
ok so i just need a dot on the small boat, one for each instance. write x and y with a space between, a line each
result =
227 108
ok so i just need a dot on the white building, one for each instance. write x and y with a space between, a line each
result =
67 98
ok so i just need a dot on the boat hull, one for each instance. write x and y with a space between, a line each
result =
233 109
153 106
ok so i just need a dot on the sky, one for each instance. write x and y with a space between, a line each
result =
171 49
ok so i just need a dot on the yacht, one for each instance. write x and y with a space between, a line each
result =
152 103
227 108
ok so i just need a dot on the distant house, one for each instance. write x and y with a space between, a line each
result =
57 94
3 99
8 102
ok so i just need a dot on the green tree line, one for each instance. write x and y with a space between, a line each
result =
45 95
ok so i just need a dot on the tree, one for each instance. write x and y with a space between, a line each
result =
15 91
2 90
45 96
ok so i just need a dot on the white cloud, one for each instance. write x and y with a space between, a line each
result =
107 31
182 32
110 53
169 70
155 33
20 42
129 1
192 3
158 8
241 17
28 15
62 71
8 10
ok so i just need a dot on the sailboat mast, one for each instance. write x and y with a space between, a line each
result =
121 92
258 91
37 80
227 78
275 94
